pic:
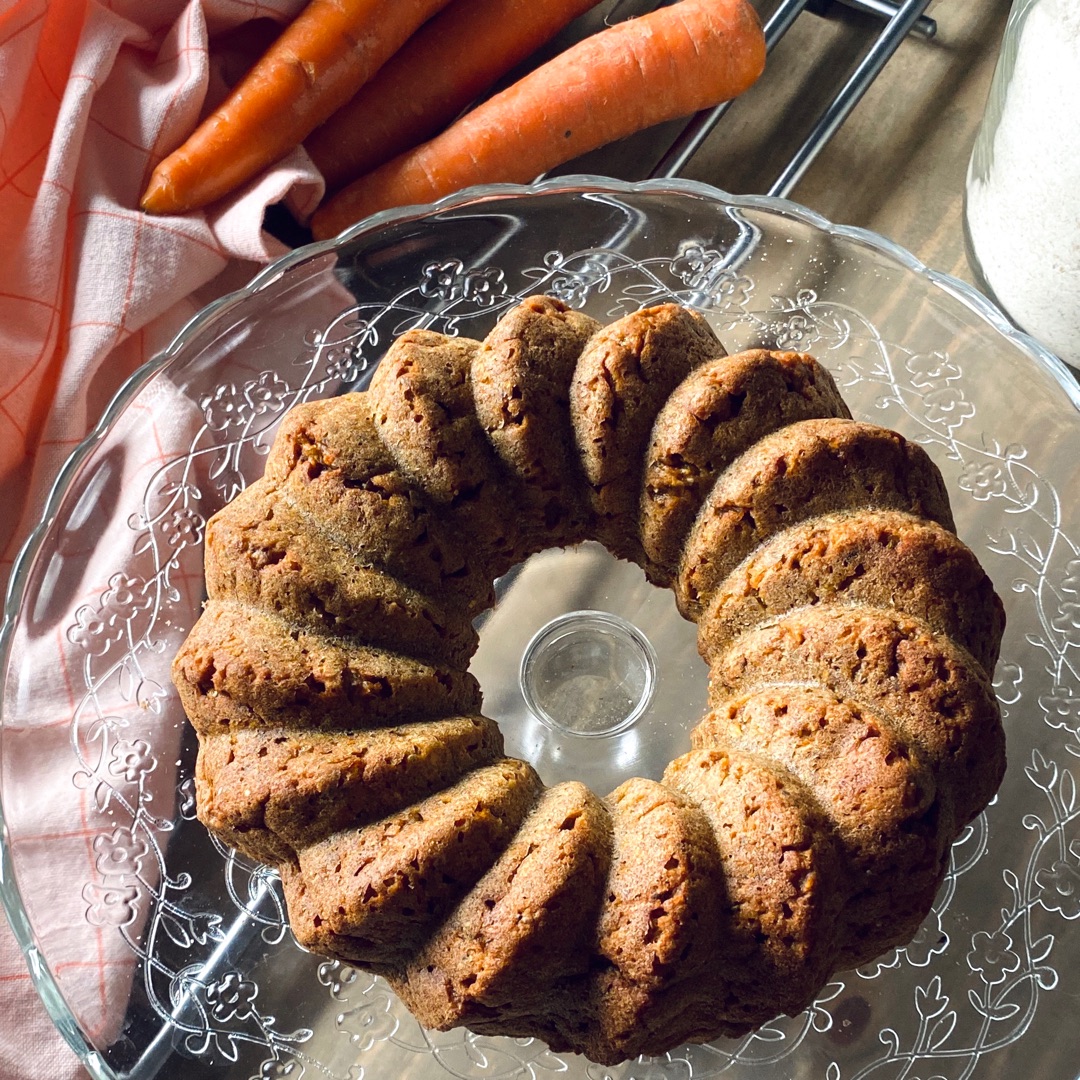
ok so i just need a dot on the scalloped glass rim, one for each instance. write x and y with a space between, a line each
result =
41 977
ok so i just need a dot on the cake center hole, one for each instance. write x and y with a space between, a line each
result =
588 673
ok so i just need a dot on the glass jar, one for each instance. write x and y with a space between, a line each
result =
1022 204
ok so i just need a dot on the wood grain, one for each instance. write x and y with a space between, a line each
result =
897 165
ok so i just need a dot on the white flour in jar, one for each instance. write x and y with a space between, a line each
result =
1023 217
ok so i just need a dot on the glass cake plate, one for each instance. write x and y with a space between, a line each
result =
160 954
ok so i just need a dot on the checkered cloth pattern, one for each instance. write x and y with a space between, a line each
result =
93 93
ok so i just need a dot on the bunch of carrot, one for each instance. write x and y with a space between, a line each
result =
364 82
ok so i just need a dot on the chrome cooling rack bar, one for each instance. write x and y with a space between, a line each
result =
901 19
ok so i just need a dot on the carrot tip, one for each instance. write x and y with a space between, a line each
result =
155 199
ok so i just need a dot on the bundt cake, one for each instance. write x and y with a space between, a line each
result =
851 729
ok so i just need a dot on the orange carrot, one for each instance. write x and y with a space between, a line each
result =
320 60
675 61
446 64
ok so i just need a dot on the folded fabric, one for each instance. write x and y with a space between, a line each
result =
92 94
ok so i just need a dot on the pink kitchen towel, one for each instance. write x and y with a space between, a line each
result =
93 93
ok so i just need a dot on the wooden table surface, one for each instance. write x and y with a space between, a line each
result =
897 165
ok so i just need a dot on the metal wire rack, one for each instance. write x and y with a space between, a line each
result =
898 20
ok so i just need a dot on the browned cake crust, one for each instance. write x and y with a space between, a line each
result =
262 551
622 379
874 788
334 433
784 885
526 927
244 668
719 411
803 470
879 558
852 729
931 689
660 925
422 404
331 463
521 385
384 887
269 793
